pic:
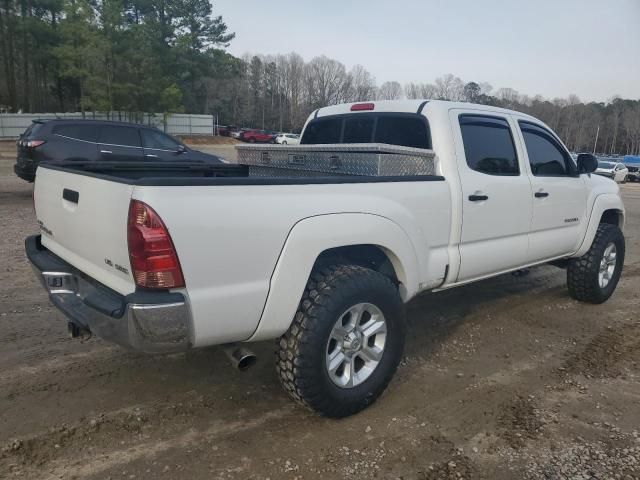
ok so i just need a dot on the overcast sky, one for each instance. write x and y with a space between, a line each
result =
548 47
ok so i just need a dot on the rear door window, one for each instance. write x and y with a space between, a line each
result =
488 145
88 133
157 140
116 135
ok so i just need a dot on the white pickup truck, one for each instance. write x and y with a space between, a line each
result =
177 256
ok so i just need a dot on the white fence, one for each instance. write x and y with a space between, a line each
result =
13 124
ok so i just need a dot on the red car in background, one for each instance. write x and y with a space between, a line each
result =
260 136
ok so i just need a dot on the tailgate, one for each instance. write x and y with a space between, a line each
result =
83 220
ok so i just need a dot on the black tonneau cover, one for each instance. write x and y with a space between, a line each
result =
195 173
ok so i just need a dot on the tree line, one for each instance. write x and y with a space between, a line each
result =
169 56
132 55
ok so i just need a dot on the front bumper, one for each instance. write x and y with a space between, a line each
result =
145 321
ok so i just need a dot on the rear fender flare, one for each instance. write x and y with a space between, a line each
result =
314 235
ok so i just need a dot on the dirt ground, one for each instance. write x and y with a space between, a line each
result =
505 379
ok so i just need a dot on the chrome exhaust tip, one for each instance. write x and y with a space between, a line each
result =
76 331
241 358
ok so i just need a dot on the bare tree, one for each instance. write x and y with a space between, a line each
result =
485 88
362 85
508 96
631 125
449 87
420 90
325 79
390 91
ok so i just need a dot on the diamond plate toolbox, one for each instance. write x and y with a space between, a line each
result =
365 159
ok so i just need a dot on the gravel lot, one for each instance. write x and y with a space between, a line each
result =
504 379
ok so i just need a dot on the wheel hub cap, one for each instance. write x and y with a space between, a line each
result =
351 342
607 265
356 345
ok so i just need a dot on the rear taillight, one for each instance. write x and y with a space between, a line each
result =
153 257
358 107
33 143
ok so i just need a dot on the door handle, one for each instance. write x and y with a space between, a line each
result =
106 151
541 194
70 195
478 198
150 155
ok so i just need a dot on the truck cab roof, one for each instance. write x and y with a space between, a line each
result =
412 106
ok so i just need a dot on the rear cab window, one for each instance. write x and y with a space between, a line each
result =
323 130
403 129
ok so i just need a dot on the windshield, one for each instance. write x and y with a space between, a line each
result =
606 165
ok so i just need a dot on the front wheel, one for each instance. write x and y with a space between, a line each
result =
594 276
345 342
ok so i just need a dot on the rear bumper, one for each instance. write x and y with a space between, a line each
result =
150 322
25 172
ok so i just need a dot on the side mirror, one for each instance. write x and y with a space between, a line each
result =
587 163
181 149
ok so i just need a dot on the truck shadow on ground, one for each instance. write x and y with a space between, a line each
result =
432 317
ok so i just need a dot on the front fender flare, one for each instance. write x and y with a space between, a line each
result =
312 236
602 203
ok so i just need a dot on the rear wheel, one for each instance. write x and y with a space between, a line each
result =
594 276
345 342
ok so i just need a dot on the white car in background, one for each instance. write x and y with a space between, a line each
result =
616 171
288 139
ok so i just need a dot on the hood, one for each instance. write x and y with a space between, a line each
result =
601 184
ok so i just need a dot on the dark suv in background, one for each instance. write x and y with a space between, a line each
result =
98 140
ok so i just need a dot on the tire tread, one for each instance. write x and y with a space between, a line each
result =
582 272
296 361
